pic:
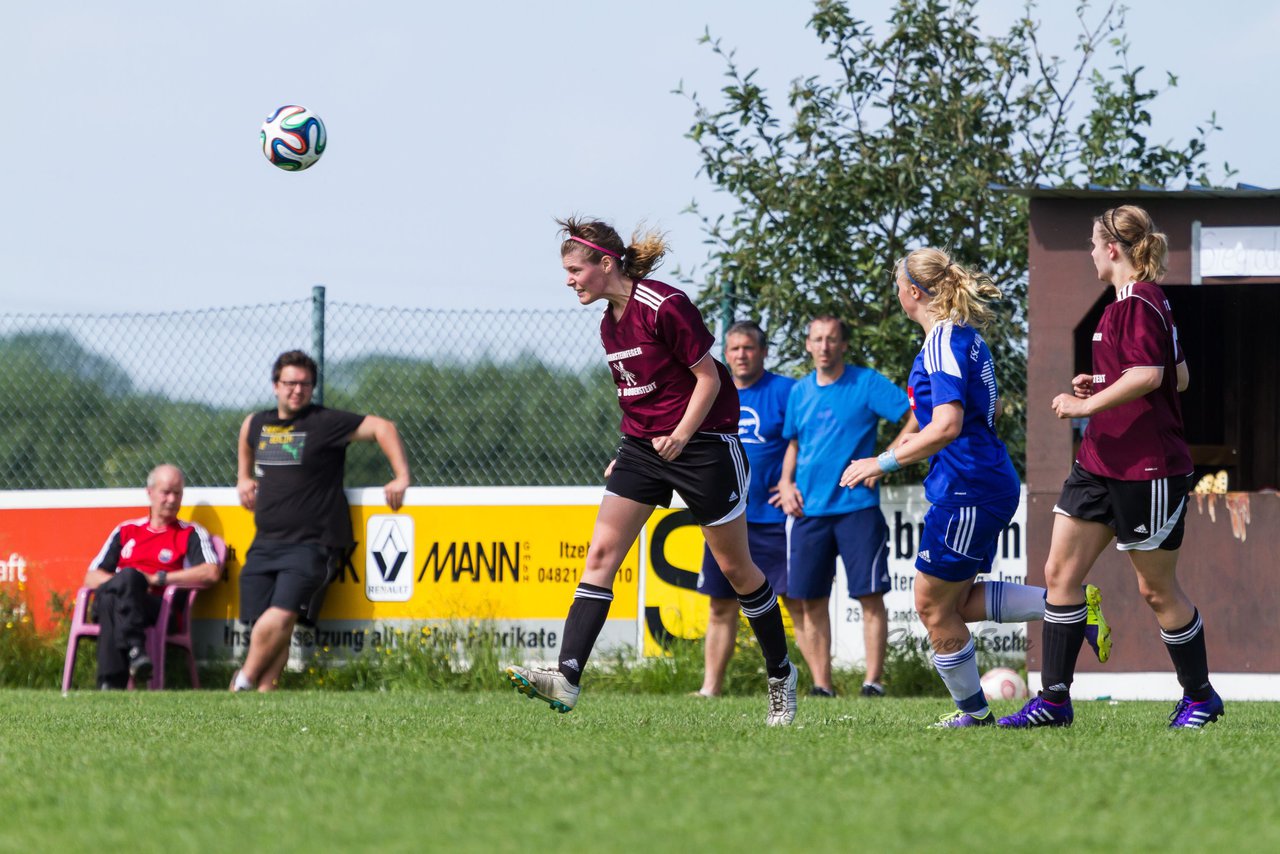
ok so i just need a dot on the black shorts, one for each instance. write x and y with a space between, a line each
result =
281 575
1145 514
711 475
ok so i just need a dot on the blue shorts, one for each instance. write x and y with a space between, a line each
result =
861 538
768 544
960 542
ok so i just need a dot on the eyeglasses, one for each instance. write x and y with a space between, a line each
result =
292 384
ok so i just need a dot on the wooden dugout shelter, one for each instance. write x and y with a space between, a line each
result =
1224 286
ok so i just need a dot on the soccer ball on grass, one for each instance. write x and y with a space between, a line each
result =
1001 683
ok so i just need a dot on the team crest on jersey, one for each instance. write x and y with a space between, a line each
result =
166 555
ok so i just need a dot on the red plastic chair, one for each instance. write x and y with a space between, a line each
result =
159 637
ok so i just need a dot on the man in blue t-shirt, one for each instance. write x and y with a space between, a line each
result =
832 417
762 398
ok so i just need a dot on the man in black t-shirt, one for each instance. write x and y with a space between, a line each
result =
291 462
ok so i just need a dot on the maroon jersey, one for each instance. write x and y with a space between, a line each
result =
134 544
1141 439
650 351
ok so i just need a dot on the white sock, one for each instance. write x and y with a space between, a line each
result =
1013 603
959 672
242 684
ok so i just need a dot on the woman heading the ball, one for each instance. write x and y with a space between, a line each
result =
972 486
679 433
1130 478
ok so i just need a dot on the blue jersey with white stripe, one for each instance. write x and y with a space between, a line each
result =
955 366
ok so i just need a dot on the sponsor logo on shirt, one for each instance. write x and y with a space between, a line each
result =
749 426
280 446
623 374
1097 336
975 351
127 551
1099 378
636 391
622 354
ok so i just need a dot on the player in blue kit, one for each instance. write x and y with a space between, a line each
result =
762 400
972 486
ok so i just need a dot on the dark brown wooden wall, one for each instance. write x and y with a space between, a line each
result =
1234 581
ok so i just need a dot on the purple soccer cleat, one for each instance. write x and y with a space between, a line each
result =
1193 715
1039 712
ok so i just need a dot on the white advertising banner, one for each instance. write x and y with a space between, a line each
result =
904 509
1240 251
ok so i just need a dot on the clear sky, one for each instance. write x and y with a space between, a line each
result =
132 179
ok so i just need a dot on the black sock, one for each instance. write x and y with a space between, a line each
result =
1062 634
586 618
1190 660
764 615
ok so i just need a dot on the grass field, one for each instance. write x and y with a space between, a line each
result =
493 771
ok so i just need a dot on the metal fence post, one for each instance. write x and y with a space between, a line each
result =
317 339
727 310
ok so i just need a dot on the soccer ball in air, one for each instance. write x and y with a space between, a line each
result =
1001 683
293 138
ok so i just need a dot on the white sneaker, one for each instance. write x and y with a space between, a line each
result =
549 685
782 699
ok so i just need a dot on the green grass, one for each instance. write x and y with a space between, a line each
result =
493 771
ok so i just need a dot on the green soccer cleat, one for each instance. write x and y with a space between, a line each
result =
1096 630
546 684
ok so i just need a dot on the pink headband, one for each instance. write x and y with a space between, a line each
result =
608 252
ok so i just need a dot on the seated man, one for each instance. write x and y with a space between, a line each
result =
130 573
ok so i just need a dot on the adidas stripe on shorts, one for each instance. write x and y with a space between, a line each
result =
1145 514
711 475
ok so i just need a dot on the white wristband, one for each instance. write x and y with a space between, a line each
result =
888 462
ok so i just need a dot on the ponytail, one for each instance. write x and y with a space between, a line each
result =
597 239
1130 227
956 293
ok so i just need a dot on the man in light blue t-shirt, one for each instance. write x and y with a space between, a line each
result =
762 401
832 418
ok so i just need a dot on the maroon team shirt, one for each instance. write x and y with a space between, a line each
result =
1141 439
650 351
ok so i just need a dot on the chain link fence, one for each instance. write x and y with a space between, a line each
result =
510 397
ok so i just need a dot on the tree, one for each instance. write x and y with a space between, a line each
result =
902 146
66 413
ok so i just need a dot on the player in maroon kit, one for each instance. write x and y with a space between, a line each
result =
130 573
679 433
1130 479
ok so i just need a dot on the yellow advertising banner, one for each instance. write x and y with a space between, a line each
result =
672 606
